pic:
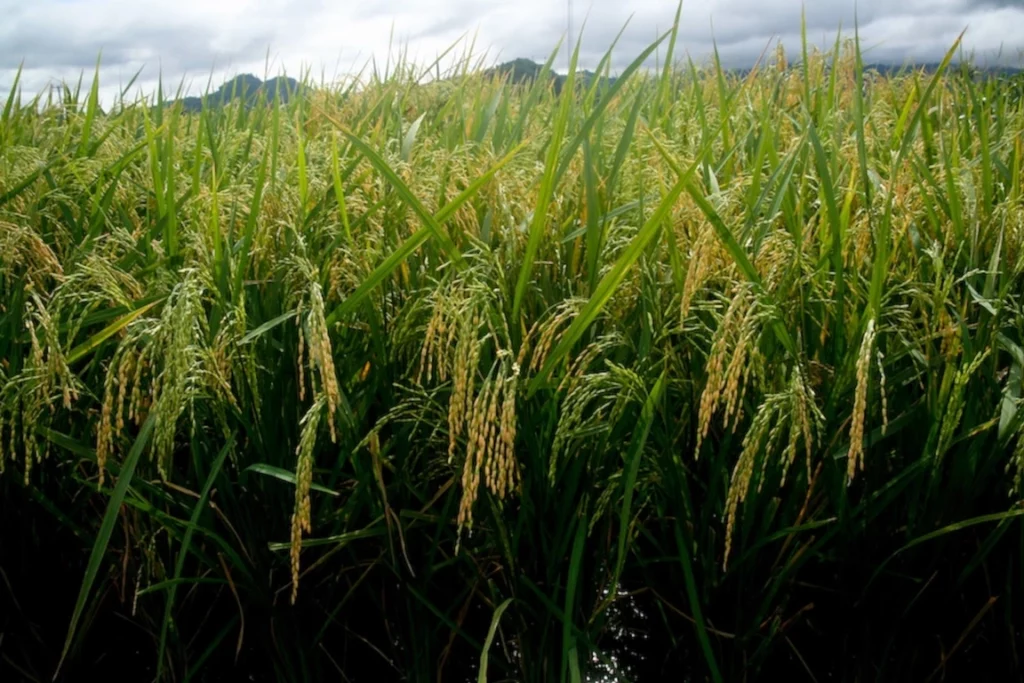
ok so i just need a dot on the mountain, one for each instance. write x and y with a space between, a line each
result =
932 67
245 87
518 70
251 89
527 71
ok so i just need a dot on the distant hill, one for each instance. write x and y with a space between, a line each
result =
248 88
527 71
519 70
932 67
251 89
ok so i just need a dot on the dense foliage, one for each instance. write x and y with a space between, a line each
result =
686 373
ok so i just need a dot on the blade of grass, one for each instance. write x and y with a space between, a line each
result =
285 475
547 186
26 182
12 95
828 190
569 655
186 541
91 344
740 257
694 597
944 531
482 675
882 238
633 457
594 225
91 109
599 110
410 139
339 190
436 230
664 83
242 267
267 326
610 282
396 258
99 547
338 539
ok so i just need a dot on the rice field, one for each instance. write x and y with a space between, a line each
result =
429 375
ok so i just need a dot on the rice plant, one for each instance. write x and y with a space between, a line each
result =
433 375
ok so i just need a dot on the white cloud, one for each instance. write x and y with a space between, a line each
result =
192 39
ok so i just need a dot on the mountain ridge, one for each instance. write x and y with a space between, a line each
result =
518 71
247 87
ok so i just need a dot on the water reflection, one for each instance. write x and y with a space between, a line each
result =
625 642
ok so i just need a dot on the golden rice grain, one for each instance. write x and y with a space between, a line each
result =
855 455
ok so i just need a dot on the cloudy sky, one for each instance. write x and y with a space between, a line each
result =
192 39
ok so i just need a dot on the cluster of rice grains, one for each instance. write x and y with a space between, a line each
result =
301 521
490 438
314 341
791 413
483 416
732 358
786 418
45 383
855 457
170 352
481 411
